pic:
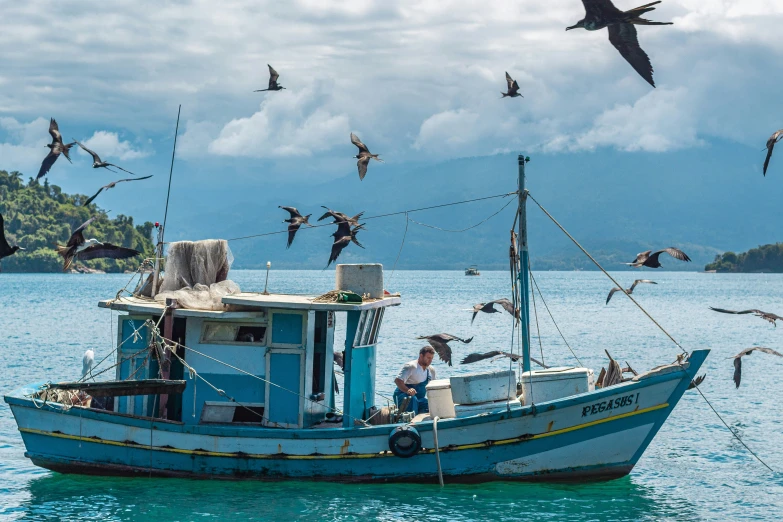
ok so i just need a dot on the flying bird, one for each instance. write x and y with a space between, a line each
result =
294 222
441 344
339 216
6 249
97 163
628 290
697 381
776 137
111 186
758 313
489 308
342 238
78 247
56 147
273 85
748 351
364 156
622 33
513 88
476 357
650 258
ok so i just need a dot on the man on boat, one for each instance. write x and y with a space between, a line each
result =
412 381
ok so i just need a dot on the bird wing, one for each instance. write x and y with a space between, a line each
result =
510 82
95 157
293 211
770 146
442 349
355 230
129 172
273 76
611 293
737 370
514 88
356 141
676 253
77 238
697 381
47 163
362 164
641 257
329 213
506 304
724 311
623 37
91 198
339 359
600 7
337 247
639 281
5 248
765 350
107 250
475 357
54 130
292 228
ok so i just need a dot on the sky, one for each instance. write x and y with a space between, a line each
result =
418 80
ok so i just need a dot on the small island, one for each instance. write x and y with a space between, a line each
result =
40 216
765 258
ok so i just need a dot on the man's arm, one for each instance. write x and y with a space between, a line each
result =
404 388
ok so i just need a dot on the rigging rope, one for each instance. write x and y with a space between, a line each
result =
553 319
404 235
463 229
409 211
736 436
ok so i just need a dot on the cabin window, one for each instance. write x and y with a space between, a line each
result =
233 333
368 328
229 412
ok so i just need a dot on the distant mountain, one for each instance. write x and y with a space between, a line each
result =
704 200
40 216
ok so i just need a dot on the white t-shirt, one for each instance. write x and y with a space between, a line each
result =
412 373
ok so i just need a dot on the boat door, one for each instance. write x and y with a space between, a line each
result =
285 369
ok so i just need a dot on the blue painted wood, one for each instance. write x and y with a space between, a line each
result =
351 325
524 277
286 328
362 377
283 404
131 345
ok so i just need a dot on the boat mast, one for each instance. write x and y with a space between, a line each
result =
524 277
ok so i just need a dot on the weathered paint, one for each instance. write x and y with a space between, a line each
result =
554 441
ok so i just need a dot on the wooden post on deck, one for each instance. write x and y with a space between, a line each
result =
165 364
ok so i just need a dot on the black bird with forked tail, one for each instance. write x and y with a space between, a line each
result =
622 33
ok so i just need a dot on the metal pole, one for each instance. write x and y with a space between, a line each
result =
524 277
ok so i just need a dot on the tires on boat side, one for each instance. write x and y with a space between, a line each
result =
404 441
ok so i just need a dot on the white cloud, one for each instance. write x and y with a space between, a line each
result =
23 148
108 145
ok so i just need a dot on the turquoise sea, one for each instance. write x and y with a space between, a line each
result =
693 470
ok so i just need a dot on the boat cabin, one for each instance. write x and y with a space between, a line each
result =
265 360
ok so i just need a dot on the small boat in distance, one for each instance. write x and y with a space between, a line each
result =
472 270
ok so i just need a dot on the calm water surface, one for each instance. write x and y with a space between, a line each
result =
693 470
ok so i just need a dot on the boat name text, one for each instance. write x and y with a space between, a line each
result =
612 404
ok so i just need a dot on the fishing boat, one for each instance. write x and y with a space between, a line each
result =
248 392
472 270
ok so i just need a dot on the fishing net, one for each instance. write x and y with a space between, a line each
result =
196 274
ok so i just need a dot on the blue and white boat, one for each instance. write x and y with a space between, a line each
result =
248 393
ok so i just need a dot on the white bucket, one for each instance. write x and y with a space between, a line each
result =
439 398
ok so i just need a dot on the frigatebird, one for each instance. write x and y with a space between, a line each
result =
342 238
758 313
622 33
650 258
78 247
111 186
440 342
748 351
364 156
339 216
97 163
273 85
489 308
513 88
628 290
6 249
475 357
56 147
776 137
294 222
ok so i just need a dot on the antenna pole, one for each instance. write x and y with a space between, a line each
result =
162 230
524 277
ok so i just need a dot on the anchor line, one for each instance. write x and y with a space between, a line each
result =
409 211
736 436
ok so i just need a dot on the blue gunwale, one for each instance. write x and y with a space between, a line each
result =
18 398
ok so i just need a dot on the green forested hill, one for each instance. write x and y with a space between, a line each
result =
39 216
766 258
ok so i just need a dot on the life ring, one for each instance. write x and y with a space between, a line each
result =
404 441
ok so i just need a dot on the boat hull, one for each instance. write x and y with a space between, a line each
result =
598 435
